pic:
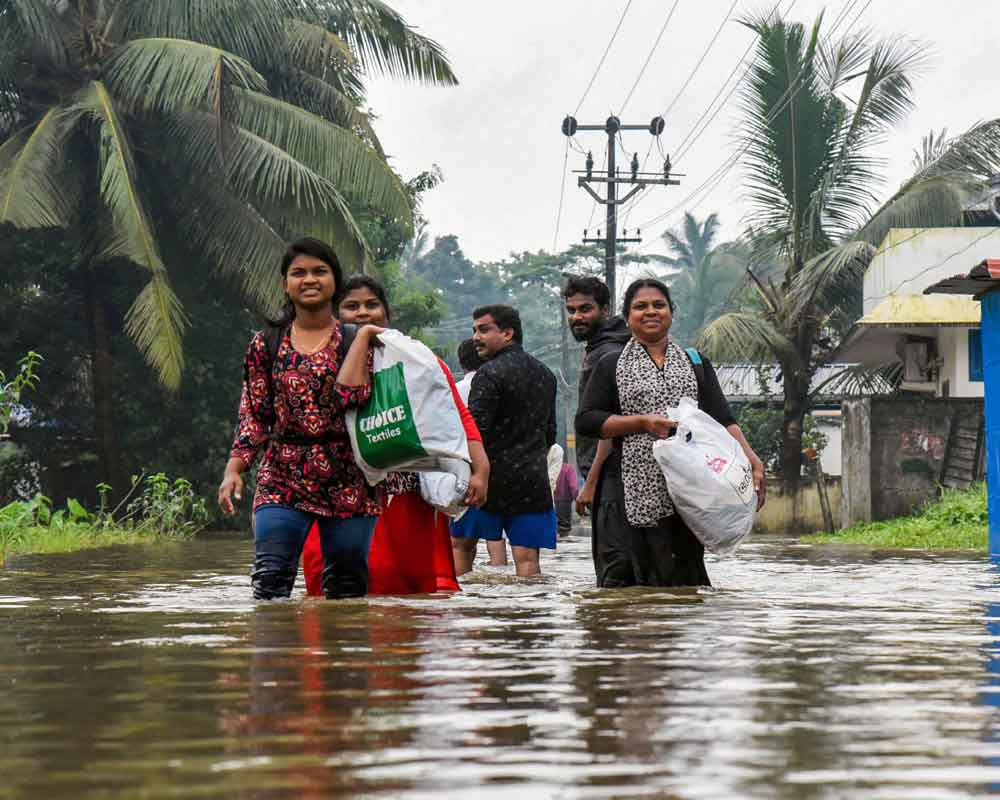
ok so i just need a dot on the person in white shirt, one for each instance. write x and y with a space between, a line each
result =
470 361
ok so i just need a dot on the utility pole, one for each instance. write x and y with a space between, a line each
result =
612 127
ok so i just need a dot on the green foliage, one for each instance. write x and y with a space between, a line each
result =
10 390
957 521
762 427
161 509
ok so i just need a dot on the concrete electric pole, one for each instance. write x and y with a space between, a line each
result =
638 181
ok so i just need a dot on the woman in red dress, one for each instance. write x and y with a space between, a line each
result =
411 548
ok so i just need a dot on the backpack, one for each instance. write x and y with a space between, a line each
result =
273 337
699 372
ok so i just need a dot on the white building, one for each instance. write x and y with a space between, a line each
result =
935 337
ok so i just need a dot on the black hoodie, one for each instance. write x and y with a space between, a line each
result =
611 337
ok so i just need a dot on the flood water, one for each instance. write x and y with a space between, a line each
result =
808 672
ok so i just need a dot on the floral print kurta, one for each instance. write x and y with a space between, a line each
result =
318 477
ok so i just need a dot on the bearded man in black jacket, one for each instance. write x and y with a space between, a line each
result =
588 312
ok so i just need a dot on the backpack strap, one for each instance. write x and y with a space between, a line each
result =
699 370
349 331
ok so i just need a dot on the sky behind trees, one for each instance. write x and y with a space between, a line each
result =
523 65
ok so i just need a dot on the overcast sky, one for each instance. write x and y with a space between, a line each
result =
523 66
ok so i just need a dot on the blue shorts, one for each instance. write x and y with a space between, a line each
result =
532 529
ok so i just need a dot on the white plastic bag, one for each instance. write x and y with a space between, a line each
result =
411 423
446 490
709 478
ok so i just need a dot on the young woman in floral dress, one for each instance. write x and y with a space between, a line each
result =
411 551
298 381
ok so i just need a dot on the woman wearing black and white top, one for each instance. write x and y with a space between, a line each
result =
627 400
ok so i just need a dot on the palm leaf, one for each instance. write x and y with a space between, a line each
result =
386 45
829 278
858 379
333 152
42 31
248 28
155 322
315 50
738 336
288 194
171 74
33 185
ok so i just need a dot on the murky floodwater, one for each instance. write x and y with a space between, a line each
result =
808 672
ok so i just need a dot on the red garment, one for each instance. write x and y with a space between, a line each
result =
411 547
306 402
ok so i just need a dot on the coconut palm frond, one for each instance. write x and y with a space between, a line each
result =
738 336
33 183
43 32
386 45
932 147
171 75
859 380
248 28
156 321
333 152
237 240
327 101
314 49
828 278
932 202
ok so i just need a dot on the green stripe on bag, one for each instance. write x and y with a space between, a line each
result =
385 431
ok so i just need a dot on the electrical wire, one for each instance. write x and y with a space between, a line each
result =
717 176
562 195
649 57
600 63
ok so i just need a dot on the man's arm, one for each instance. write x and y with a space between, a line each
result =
484 400
585 499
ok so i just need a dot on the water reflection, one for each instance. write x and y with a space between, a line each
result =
807 673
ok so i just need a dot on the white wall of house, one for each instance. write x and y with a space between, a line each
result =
953 347
911 259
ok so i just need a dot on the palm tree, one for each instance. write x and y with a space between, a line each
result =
707 274
812 111
227 125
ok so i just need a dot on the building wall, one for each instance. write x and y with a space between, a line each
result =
801 513
911 259
829 424
953 346
909 437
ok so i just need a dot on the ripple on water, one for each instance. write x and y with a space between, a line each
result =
806 672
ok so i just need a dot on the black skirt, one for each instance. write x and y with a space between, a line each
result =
668 554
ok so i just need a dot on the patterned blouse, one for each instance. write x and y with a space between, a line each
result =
631 383
312 467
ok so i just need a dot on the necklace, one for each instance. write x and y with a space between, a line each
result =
323 343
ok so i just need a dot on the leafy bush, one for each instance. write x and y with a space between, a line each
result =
10 390
762 427
164 507
957 521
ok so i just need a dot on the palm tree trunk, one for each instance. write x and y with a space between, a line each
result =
111 462
791 434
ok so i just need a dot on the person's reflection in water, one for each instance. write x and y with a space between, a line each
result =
319 677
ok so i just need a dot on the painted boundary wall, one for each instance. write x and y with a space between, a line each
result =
893 452
799 513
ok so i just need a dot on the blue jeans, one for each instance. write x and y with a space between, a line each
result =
280 532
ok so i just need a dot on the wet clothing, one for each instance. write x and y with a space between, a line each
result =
280 532
411 547
530 529
513 400
666 554
293 409
610 338
634 519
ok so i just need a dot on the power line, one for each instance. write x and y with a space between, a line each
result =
725 83
649 57
600 63
562 195
787 96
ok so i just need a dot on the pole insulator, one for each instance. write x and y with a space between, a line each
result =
590 164
666 168
569 125
635 166
656 126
